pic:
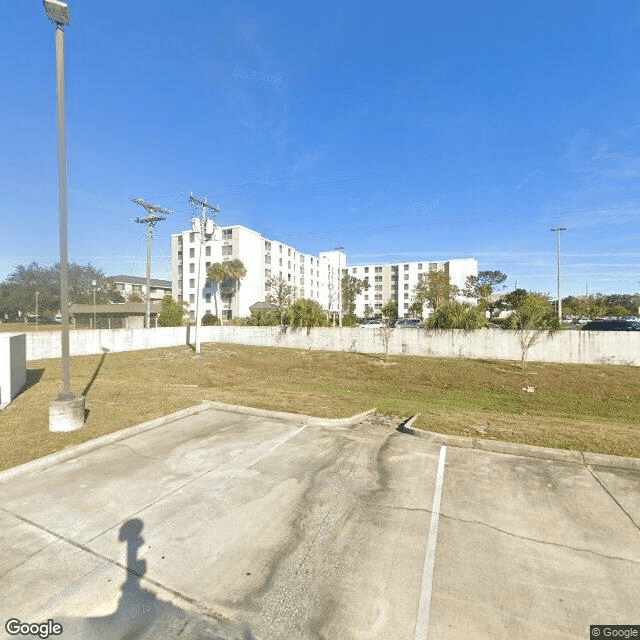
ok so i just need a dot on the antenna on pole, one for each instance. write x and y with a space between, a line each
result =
205 228
155 214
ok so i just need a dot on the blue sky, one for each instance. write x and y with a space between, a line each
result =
400 131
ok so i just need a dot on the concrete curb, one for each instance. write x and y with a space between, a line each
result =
530 451
85 447
291 417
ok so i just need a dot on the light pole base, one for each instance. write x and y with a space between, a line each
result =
66 415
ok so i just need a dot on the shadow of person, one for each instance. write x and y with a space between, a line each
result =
141 615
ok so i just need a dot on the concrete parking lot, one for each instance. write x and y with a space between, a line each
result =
230 525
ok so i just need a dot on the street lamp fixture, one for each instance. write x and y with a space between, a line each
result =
57 12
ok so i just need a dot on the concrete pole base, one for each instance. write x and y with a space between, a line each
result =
66 415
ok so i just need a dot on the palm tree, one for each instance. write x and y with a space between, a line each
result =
236 271
217 273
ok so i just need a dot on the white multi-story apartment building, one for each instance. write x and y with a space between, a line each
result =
316 278
262 259
397 282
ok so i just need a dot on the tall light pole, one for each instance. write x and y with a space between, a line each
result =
558 230
339 250
93 286
67 413
37 294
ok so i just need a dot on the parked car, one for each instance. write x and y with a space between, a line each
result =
612 325
416 323
371 324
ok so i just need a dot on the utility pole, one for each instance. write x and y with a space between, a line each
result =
558 230
205 229
154 215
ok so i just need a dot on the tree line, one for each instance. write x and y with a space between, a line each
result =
18 291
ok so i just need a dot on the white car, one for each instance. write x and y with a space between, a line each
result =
371 324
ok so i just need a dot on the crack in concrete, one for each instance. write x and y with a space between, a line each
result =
544 542
635 524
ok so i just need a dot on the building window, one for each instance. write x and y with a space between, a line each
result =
406 276
207 297
227 250
378 296
280 260
192 267
192 284
419 266
406 267
378 305
267 273
208 264
433 266
192 253
179 241
180 297
378 278
366 269
289 252
406 286
289 264
179 273
267 259
267 246
406 296
192 237
354 270
366 297
207 250
378 287
378 269
192 297
227 233
280 247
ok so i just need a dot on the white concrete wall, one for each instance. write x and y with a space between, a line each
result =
580 347
13 367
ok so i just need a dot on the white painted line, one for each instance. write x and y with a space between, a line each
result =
422 622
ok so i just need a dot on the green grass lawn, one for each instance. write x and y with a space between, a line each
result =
21 327
585 407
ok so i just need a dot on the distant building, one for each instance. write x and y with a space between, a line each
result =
126 315
315 278
127 285
397 282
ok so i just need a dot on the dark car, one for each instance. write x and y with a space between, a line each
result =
612 325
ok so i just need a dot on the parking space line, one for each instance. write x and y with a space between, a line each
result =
422 621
